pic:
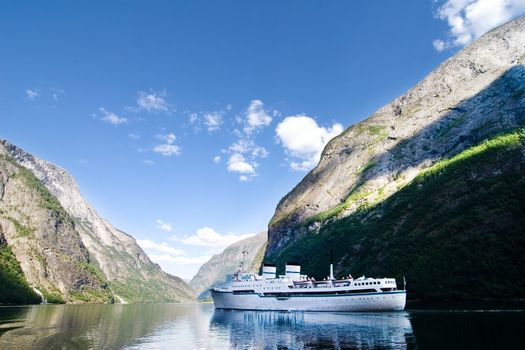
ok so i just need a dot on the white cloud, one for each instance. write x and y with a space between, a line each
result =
56 93
256 116
32 94
244 152
238 164
193 117
168 138
304 140
259 152
213 121
148 162
160 247
439 45
470 19
217 159
208 237
164 226
153 101
179 260
112 118
168 148
134 135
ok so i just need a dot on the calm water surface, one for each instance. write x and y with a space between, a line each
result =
199 326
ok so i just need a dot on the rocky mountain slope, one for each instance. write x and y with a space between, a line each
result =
472 96
127 269
40 246
457 231
222 266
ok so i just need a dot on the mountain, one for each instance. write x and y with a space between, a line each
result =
371 195
113 254
39 245
222 266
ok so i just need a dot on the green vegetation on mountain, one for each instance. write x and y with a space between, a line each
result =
13 284
47 200
39 245
456 231
41 193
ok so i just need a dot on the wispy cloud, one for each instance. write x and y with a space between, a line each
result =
32 94
168 147
303 140
179 260
256 117
470 19
164 226
217 159
134 135
245 152
160 247
148 162
56 93
153 101
213 120
208 237
163 252
111 118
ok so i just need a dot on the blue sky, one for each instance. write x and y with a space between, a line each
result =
185 122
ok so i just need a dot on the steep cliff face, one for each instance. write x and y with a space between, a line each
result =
38 235
223 265
128 270
456 231
472 96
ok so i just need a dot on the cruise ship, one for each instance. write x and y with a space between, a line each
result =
296 292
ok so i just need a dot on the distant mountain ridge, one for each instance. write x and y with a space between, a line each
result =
128 271
225 264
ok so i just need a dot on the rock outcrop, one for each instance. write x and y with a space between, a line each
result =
222 266
128 270
472 96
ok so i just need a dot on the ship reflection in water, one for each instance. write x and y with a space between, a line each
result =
312 330
200 326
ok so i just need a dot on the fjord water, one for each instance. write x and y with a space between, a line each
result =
199 326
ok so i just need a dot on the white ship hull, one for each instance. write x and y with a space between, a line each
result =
376 301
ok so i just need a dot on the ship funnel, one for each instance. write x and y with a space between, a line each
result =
269 271
293 271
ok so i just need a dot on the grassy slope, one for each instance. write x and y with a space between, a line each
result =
456 231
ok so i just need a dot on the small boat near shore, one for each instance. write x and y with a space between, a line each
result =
296 292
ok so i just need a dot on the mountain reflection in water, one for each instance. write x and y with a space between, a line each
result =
200 326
